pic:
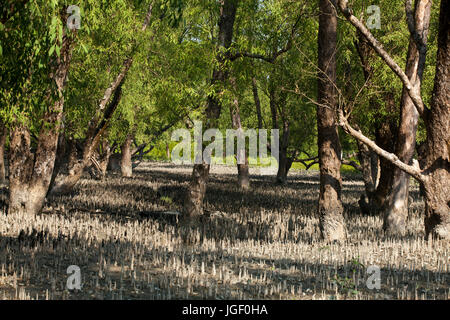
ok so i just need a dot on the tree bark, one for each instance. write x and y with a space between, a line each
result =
104 158
193 205
3 135
167 151
275 101
437 160
397 207
257 102
366 161
243 168
31 174
284 163
125 163
114 162
330 207
385 137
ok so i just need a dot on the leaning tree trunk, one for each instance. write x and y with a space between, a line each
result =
3 135
93 136
397 207
330 207
193 205
126 163
95 130
437 161
31 174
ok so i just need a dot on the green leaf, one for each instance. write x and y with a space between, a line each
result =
84 47
52 49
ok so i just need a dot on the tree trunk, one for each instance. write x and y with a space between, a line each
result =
114 162
283 163
330 207
365 159
62 156
3 135
243 175
125 163
243 168
257 102
193 205
31 174
385 136
194 199
92 140
385 133
397 207
104 158
167 151
437 161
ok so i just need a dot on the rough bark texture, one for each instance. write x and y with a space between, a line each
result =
3 135
397 207
243 168
330 207
125 164
437 161
31 174
194 199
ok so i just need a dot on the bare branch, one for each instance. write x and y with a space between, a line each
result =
147 17
413 91
391 157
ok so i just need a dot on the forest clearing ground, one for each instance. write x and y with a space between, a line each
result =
257 244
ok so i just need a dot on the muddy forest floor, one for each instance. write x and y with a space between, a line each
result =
257 244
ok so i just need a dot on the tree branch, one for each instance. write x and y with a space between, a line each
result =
413 91
413 170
